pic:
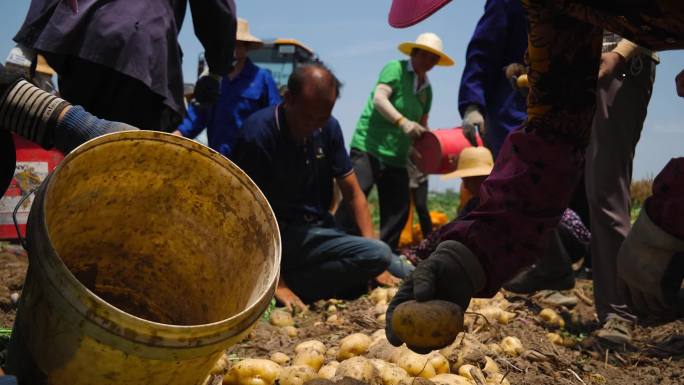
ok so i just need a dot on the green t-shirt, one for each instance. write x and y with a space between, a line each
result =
380 137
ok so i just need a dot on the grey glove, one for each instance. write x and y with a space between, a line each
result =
473 121
650 268
412 129
451 273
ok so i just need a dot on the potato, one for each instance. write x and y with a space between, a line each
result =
382 318
416 381
495 348
353 345
290 331
332 309
472 373
378 334
496 315
490 366
331 353
296 375
379 295
280 317
390 374
383 350
309 357
333 320
253 371
314 345
358 368
391 292
221 366
427 326
416 365
280 358
450 379
551 318
512 346
380 309
328 370
439 362
557 339
497 379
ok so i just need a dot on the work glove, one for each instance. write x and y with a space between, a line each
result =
207 89
451 273
473 121
650 269
516 74
412 129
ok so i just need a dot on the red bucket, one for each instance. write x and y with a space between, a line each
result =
437 151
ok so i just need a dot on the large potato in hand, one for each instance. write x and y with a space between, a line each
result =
427 326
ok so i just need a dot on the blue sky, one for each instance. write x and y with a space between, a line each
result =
354 39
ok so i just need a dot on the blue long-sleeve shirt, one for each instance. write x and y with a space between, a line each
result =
500 38
252 90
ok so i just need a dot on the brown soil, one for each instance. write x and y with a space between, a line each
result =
657 356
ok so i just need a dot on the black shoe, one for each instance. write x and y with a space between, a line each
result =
532 279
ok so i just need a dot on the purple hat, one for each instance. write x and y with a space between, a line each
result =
405 13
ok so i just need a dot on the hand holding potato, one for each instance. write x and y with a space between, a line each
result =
451 273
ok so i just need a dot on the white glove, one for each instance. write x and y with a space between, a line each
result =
643 262
471 118
411 128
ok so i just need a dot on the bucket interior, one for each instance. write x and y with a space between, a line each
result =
162 229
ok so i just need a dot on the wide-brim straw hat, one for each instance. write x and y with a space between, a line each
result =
405 13
473 161
244 35
429 42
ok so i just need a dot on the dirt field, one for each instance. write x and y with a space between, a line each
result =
656 358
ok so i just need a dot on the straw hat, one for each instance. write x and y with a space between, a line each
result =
405 13
428 42
473 161
244 35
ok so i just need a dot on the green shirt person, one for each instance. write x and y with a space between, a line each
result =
396 114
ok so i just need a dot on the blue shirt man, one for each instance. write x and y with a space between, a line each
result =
251 90
486 97
294 152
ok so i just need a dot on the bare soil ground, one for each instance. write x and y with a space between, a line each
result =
657 356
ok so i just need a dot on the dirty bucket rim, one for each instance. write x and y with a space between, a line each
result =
211 332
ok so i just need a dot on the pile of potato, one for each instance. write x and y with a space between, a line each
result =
374 361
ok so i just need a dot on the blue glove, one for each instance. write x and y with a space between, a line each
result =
78 126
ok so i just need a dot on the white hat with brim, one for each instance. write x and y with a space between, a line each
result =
429 42
472 161
245 36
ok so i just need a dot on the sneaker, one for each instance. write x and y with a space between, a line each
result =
553 299
534 279
616 330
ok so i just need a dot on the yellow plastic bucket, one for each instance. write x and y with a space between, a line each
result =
149 255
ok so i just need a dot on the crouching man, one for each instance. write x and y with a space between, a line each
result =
294 151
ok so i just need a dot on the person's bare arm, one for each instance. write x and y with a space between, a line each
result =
285 295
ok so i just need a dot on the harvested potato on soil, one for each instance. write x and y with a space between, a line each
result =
328 370
221 366
416 381
253 371
358 368
490 366
551 318
296 375
383 350
450 379
427 326
495 348
439 362
472 373
353 345
390 374
309 357
391 292
290 331
379 295
333 320
512 346
497 379
280 317
314 345
557 339
280 358
496 315
417 365
378 334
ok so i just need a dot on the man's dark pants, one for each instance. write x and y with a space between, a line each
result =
322 262
393 196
